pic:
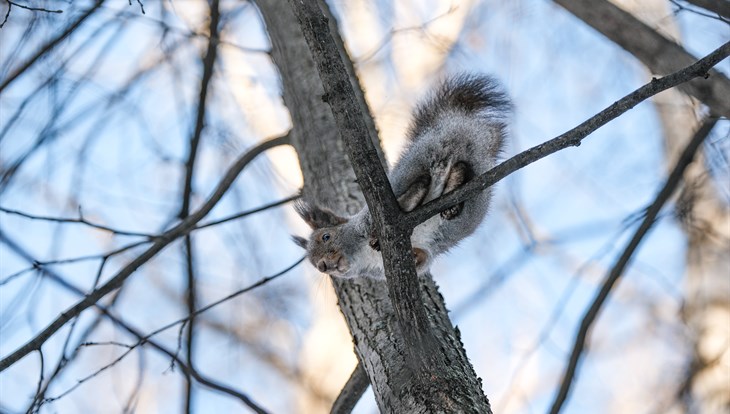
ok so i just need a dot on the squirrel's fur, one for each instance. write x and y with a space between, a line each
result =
456 134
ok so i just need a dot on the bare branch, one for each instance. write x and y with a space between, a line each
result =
208 66
249 212
382 204
146 339
659 54
568 139
680 7
79 220
12 3
616 272
50 45
105 256
208 63
41 9
165 239
352 391
721 7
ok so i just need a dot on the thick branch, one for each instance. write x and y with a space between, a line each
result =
364 302
568 139
618 268
395 239
160 243
659 54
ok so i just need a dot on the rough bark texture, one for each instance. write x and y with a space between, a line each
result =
364 302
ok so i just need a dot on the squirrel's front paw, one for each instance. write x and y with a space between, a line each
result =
421 258
374 243
452 212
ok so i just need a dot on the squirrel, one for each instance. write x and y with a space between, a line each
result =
456 134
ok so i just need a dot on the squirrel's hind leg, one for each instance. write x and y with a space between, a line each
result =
460 173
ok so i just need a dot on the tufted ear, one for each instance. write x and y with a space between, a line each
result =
316 217
300 241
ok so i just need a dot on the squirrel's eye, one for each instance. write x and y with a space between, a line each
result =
325 237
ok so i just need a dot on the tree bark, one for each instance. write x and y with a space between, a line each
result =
329 181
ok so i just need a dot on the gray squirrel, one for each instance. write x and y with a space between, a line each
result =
456 134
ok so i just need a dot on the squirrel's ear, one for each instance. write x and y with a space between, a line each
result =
316 217
300 241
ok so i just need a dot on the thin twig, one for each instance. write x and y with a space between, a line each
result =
141 6
145 339
12 3
188 371
79 220
41 9
165 239
618 268
681 8
721 7
50 45
109 254
249 212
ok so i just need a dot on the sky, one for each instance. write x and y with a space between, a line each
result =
114 143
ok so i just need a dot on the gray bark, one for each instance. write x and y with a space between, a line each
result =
330 181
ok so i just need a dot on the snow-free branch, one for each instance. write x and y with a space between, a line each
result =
661 55
160 243
400 270
571 138
673 181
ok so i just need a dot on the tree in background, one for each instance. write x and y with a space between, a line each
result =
133 254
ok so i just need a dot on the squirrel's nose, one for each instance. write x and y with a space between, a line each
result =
322 266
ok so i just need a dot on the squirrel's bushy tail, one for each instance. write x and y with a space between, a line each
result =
474 95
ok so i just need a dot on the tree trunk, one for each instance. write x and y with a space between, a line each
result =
329 181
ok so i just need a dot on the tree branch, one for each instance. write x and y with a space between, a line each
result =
208 66
617 270
146 339
659 54
80 220
352 391
165 239
568 139
50 45
248 212
395 239
721 7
